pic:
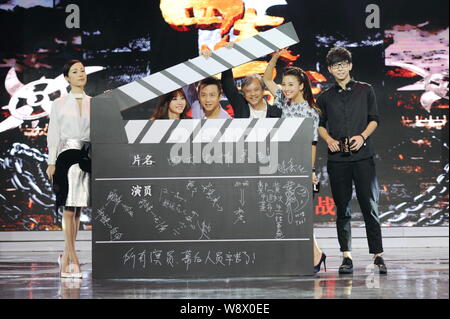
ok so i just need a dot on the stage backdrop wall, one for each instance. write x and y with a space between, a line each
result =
405 57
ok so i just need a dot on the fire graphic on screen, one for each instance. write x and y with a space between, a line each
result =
224 15
202 14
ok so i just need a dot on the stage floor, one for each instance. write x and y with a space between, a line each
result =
420 273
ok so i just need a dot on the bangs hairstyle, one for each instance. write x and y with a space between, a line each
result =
338 54
68 65
303 78
162 107
210 81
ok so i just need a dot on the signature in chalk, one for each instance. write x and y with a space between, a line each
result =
290 167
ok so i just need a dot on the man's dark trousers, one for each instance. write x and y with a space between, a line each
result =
362 173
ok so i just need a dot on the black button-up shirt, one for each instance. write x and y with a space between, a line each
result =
346 113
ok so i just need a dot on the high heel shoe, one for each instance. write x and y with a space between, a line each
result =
61 273
322 259
60 264
75 274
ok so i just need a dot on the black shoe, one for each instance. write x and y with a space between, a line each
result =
381 266
322 259
347 266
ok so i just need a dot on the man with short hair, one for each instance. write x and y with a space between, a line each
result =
209 94
251 102
349 117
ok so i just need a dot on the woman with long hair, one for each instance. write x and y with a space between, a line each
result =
173 106
295 99
68 142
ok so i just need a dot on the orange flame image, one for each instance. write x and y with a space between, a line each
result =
184 15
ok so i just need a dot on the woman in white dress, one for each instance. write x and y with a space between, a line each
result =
68 142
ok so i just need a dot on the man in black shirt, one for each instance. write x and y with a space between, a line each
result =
349 116
250 102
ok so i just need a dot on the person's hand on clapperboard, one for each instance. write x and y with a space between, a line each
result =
206 52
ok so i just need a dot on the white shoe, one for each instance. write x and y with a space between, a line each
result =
60 264
74 274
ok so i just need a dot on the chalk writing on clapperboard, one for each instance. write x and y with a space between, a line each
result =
283 202
239 213
141 190
147 258
114 204
158 222
290 167
227 159
189 219
208 190
141 160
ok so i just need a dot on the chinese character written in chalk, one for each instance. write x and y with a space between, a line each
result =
136 190
147 190
141 160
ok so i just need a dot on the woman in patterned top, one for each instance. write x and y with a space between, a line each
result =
295 99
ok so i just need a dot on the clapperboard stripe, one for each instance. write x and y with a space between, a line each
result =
240 49
157 131
212 130
188 71
277 37
235 131
261 129
136 92
133 128
174 78
182 132
199 68
221 61
266 43
287 129
209 131
153 83
196 69
255 46
150 87
144 130
235 57
211 65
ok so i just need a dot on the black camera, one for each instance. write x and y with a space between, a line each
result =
345 145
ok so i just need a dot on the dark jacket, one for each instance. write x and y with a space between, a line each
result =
238 102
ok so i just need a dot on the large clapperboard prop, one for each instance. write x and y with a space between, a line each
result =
200 198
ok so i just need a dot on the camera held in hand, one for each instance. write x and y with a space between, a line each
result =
345 145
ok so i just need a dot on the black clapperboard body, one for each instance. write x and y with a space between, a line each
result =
200 198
